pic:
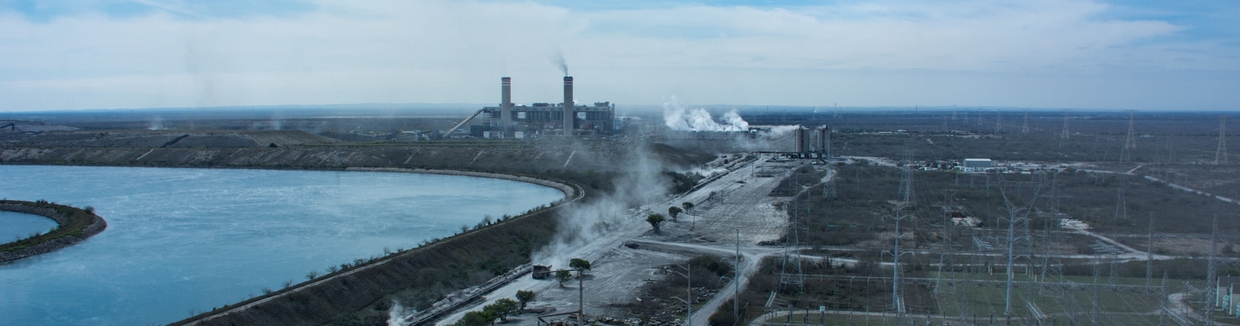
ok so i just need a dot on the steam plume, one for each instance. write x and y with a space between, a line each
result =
679 118
585 222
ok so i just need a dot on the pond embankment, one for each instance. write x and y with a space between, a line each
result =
76 225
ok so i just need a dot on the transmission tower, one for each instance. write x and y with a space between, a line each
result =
1025 129
1055 193
998 121
907 195
1220 154
1063 136
828 189
1018 220
1125 155
792 272
896 301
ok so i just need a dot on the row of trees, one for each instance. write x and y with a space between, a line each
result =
656 219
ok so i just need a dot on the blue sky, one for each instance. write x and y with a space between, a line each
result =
1146 55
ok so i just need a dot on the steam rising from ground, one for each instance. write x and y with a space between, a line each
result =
679 118
396 315
642 182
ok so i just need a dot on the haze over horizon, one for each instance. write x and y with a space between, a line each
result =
1144 55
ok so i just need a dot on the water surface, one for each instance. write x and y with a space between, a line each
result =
16 226
186 240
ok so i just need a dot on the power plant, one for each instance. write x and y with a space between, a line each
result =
541 118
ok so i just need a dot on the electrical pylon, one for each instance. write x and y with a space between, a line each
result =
907 195
792 249
828 190
998 121
1125 155
907 199
1018 219
896 302
1025 129
1063 136
1220 154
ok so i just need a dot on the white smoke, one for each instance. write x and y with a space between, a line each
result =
679 118
156 124
642 182
396 315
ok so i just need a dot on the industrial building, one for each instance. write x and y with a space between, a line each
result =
976 164
541 119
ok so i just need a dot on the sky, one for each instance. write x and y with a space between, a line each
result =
1144 55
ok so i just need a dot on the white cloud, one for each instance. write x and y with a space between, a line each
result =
448 51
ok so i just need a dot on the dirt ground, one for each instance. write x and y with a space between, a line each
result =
735 201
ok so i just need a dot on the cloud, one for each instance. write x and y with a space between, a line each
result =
452 51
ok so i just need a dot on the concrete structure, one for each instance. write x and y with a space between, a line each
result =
1224 294
821 141
568 106
545 118
505 105
811 143
976 164
802 140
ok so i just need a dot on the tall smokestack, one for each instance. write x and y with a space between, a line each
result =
506 105
568 105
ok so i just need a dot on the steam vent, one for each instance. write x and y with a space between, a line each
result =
509 120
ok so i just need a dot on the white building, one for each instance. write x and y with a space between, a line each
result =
976 164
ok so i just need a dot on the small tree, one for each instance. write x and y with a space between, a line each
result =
673 211
563 276
476 318
579 264
501 308
525 297
687 205
655 220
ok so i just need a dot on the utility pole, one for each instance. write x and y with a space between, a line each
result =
736 279
581 297
1211 279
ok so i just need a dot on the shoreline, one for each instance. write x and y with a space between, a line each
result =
57 239
568 191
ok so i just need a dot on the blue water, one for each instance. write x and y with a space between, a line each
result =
182 240
16 226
